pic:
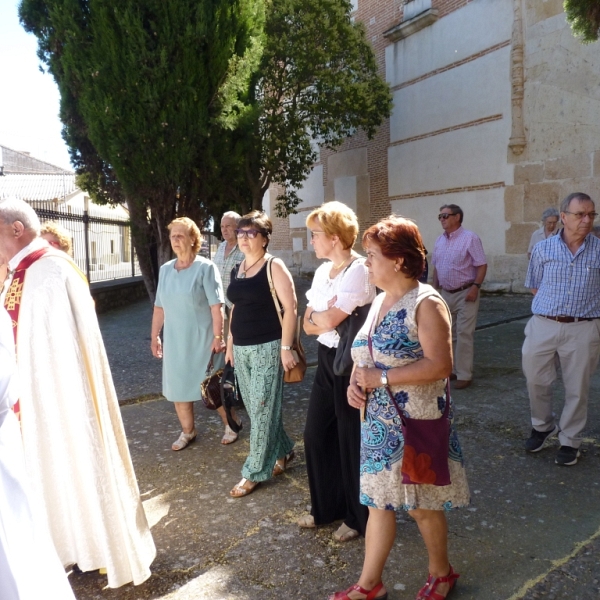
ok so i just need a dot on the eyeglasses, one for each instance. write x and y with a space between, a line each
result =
580 215
313 233
248 233
444 216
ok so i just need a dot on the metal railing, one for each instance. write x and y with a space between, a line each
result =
102 245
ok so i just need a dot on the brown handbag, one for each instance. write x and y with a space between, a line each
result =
210 388
295 374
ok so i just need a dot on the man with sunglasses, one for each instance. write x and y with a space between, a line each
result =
564 276
460 266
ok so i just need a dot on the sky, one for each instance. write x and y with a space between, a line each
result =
29 99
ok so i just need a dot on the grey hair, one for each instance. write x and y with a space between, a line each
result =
231 215
13 209
550 212
564 205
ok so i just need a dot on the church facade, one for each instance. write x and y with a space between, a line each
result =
496 108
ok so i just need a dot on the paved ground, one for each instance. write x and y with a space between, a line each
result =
532 530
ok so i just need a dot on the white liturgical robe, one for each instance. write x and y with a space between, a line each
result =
75 446
29 565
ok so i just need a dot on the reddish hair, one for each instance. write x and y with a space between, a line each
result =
399 237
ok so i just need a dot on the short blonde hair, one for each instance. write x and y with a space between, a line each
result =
62 235
336 219
192 231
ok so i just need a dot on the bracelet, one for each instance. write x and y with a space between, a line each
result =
478 285
310 317
218 337
286 347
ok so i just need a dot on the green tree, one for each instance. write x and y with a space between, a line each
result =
315 84
196 106
139 80
584 18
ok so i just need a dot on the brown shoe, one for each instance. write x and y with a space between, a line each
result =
461 384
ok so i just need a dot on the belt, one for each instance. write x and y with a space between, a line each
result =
460 289
562 319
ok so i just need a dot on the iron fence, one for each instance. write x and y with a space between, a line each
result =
102 245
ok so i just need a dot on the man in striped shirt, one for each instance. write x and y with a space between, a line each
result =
564 276
460 266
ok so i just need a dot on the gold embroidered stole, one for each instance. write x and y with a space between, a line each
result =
12 300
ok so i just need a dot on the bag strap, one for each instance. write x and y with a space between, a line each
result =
273 292
209 367
387 388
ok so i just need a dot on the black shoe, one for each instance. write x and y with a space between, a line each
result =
567 456
536 442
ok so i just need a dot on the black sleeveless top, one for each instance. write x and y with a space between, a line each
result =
255 319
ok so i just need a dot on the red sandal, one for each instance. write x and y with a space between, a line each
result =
370 594
430 587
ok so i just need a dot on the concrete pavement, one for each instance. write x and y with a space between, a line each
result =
531 532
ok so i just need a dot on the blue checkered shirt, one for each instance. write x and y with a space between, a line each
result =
566 285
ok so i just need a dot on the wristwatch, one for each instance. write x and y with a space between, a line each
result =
384 379
286 347
476 284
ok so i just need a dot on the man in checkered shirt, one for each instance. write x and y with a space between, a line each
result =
564 276
459 270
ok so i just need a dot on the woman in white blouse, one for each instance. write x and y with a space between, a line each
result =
332 431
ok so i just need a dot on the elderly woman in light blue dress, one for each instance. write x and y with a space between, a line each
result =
189 304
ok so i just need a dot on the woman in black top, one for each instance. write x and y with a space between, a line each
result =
260 348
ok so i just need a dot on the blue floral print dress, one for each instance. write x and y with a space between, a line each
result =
395 343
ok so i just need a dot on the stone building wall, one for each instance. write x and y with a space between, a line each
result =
561 109
496 108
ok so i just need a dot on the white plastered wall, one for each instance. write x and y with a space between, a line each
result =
483 211
468 155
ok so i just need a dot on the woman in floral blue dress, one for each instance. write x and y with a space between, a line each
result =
409 353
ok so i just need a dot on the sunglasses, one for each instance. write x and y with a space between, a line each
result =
444 216
313 233
248 233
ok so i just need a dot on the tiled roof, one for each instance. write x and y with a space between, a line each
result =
14 161
41 186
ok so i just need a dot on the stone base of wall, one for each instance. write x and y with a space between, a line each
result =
544 184
301 262
119 292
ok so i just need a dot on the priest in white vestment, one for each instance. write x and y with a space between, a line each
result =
29 565
75 446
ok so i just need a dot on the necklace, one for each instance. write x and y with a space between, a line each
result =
243 275
341 264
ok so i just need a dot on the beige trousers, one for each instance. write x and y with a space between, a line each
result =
464 319
577 346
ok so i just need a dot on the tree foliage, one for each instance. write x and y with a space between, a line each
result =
584 18
139 80
192 107
316 84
